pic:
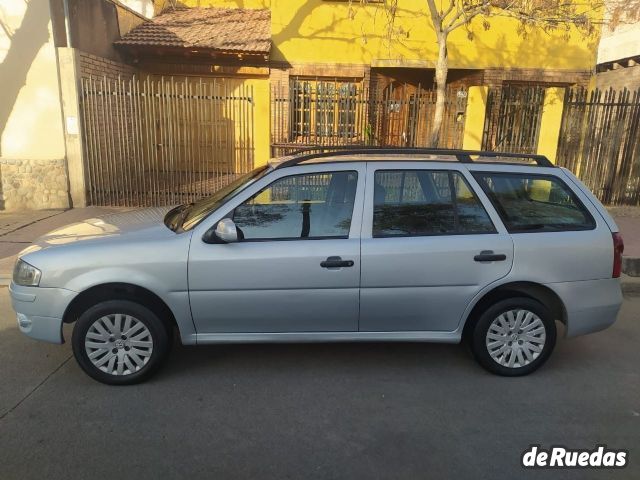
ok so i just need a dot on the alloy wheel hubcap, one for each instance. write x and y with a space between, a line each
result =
516 338
118 344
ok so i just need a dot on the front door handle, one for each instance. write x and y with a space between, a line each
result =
489 256
336 262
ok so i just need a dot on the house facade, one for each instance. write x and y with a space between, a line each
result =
261 77
342 72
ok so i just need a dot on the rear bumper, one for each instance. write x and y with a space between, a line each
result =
39 311
591 305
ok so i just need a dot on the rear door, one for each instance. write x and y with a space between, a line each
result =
557 232
429 246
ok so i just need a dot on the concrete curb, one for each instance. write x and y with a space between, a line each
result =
631 266
630 286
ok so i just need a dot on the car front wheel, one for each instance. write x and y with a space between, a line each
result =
120 342
514 337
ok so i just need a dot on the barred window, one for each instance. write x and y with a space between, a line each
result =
324 108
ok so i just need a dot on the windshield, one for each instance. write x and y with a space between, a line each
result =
188 216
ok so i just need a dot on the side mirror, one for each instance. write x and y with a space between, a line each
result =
226 231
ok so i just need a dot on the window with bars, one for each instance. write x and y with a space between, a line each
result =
324 108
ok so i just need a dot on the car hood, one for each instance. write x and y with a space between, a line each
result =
140 223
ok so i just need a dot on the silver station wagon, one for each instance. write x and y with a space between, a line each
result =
411 245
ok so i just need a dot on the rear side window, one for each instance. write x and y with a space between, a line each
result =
535 203
426 202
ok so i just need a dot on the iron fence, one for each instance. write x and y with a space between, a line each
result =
512 118
312 112
600 142
162 141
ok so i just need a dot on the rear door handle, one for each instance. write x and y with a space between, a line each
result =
489 256
336 262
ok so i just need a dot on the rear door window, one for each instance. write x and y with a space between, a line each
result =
535 203
426 202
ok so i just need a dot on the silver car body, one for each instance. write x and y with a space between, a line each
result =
414 289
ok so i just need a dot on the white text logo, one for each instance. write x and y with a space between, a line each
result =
562 457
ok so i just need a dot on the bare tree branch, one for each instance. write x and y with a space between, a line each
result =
435 16
547 16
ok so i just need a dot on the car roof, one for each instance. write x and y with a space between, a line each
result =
321 155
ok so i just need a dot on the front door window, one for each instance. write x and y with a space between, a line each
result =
300 207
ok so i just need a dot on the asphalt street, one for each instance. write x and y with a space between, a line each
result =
330 411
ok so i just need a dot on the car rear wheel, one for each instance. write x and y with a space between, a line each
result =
120 342
514 337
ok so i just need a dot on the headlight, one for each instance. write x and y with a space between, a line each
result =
25 274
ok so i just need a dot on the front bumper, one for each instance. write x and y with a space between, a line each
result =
40 311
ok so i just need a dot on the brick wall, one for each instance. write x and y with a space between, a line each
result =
280 73
532 75
92 65
466 78
279 78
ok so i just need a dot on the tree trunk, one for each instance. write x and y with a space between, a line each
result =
442 68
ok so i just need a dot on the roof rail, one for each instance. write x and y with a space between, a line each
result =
464 156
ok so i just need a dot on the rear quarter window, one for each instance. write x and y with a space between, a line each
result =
534 203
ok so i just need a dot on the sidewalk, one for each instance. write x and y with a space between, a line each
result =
18 230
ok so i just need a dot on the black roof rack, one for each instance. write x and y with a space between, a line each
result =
463 156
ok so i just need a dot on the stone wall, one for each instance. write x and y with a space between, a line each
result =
31 125
33 184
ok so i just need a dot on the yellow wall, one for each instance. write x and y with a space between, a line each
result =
258 90
474 121
551 122
261 140
321 31
30 111
221 115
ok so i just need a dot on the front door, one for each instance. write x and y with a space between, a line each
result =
296 267
399 102
428 247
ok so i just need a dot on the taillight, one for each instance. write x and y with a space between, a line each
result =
618 248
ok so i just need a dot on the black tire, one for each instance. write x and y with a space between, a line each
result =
478 336
159 331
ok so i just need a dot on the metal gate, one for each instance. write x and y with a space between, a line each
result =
163 141
311 112
512 120
406 114
600 142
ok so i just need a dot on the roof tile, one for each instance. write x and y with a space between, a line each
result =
223 29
